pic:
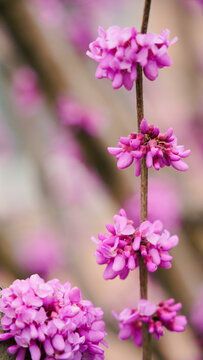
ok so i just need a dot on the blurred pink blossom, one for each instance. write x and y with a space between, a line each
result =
72 113
41 252
51 12
195 128
196 316
164 202
79 31
26 92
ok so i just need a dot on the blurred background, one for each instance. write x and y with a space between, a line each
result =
58 184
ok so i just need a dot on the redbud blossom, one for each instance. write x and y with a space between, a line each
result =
158 317
118 51
160 149
51 320
120 247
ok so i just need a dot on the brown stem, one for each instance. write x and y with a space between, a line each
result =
144 187
145 18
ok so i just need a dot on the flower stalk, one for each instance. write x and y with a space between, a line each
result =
146 337
123 55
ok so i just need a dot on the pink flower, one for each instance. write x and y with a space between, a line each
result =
158 317
155 249
152 54
51 320
160 149
120 247
119 50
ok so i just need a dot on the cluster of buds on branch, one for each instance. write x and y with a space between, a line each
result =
121 247
52 320
120 53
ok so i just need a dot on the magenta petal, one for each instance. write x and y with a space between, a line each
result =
13 349
133 73
179 323
35 352
151 70
134 143
144 126
5 336
157 226
58 342
127 81
48 347
137 337
119 263
109 273
21 354
124 273
165 264
149 159
125 160
125 332
172 241
145 227
169 132
164 60
166 257
137 167
111 229
117 81
136 243
75 294
100 73
151 267
179 165
185 153
128 230
131 263
146 308
114 150
137 154
142 57
124 140
120 223
95 336
155 256
153 238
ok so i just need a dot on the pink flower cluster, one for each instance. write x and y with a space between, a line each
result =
121 246
74 114
51 320
158 317
160 149
118 51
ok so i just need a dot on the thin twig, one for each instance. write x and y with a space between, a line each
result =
144 186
